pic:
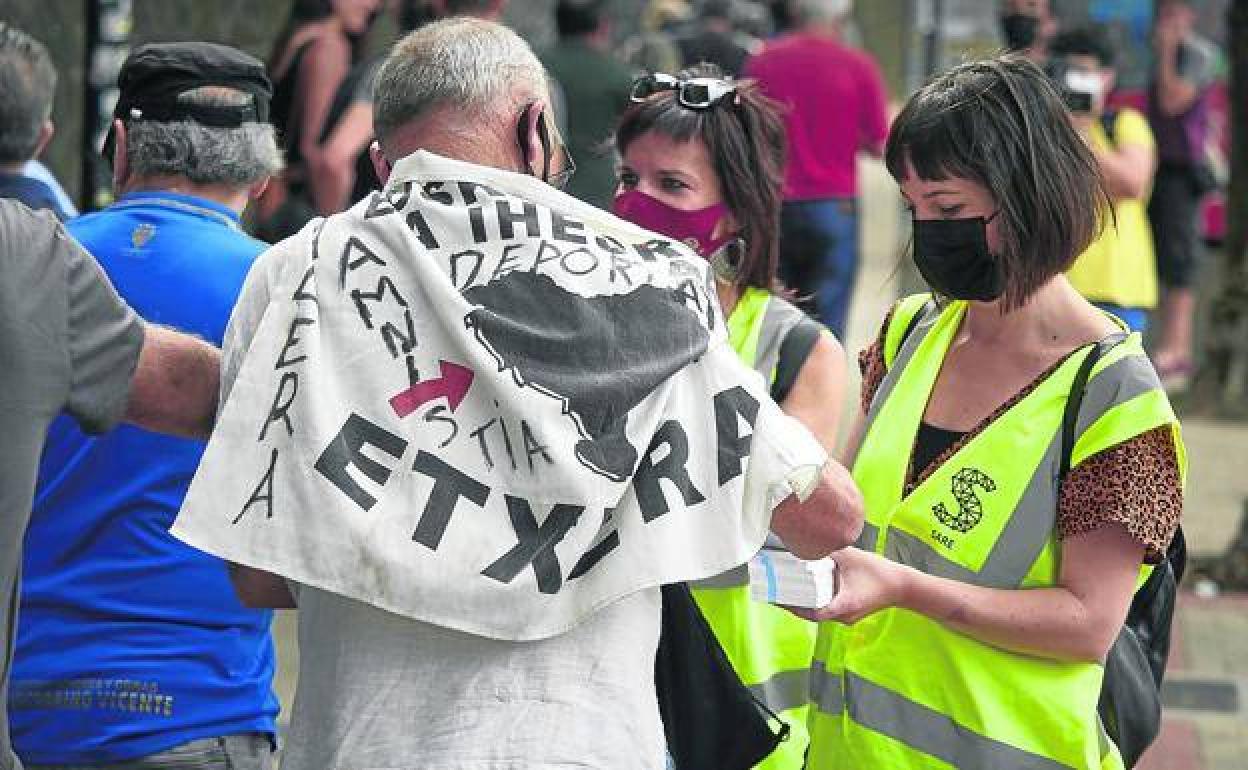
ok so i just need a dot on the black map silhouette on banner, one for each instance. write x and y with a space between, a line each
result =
601 356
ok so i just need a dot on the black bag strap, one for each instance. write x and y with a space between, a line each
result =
1070 417
913 322
1109 122
797 344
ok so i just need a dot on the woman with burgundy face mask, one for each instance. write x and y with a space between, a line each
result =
1019 460
702 161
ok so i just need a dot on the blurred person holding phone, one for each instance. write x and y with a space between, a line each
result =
1117 272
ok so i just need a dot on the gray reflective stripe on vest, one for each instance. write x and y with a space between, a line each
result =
778 319
869 537
825 690
737 577
1020 543
1128 377
784 690
927 320
932 732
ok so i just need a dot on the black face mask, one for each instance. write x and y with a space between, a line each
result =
1020 30
952 255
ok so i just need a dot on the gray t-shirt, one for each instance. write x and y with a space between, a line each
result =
378 690
67 343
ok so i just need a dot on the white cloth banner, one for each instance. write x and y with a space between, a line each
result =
477 402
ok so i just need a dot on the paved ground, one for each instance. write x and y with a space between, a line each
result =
1206 718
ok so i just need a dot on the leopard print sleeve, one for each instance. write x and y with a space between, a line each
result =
1135 484
871 364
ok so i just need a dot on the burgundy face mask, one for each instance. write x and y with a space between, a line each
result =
693 228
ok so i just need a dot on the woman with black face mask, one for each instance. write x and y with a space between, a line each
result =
1027 26
1020 463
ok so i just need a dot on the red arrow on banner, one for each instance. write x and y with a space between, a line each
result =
453 384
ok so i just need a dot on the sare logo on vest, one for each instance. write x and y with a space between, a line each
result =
970 508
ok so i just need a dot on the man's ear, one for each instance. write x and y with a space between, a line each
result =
530 139
256 190
381 165
45 135
120 167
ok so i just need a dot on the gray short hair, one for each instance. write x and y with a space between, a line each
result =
204 154
478 66
27 85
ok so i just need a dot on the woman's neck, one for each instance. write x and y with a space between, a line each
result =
1053 316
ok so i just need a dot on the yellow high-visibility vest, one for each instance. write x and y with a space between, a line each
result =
770 648
899 690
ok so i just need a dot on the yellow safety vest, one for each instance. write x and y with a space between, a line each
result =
770 648
899 690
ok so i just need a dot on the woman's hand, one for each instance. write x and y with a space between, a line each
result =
865 583
1078 619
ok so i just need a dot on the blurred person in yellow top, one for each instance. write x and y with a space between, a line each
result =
1118 272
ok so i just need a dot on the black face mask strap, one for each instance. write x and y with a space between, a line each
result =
543 136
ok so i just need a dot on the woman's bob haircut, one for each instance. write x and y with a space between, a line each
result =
1000 123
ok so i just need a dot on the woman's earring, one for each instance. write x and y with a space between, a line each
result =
727 259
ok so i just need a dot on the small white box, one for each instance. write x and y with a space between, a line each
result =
779 577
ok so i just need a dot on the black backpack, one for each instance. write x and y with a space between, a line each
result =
711 720
1130 702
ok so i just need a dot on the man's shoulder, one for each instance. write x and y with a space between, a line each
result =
30 192
294 251
21 226
1131 127
118 227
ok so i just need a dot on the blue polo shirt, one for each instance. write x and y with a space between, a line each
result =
131 642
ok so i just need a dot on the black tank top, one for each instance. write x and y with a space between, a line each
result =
929 444
282 106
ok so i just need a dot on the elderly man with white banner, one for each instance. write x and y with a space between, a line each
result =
472 424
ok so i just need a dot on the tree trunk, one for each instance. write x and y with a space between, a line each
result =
1226 375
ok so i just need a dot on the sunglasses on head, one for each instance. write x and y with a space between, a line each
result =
694 93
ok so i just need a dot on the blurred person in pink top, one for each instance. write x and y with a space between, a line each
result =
836 108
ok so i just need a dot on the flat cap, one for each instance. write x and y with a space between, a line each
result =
155 75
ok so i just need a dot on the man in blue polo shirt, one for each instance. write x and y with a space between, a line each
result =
133 649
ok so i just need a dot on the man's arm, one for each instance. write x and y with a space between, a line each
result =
1127 170
259 589
175 384
873 119
1176 91
828 520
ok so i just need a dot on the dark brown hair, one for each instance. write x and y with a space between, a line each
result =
744 137
1000 123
